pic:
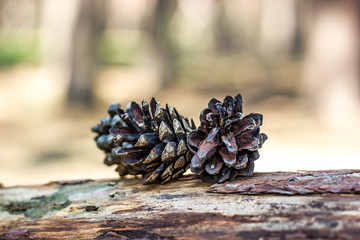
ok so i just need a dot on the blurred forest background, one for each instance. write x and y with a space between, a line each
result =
63 62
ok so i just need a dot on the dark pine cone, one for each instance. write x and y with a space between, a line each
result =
226 143
105 141
149 140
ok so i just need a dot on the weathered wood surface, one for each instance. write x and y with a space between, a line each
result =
186 209
345 181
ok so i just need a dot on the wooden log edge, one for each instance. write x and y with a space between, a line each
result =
186 209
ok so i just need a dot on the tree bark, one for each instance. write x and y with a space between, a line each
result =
185 209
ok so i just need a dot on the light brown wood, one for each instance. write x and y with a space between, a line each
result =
186 209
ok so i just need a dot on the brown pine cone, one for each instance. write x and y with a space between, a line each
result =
105 141
153 138
226 143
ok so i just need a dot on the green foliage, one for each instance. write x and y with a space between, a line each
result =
120 47
18 48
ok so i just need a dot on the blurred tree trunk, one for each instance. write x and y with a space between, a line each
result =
88 29
277 27
224 38
297 47
331 71
2 4
164 46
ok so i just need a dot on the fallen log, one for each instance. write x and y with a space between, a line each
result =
345 181
187 209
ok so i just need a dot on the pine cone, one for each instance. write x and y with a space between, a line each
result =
152 138
226 143
105 141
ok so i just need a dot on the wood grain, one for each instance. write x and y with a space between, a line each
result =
186 209
342 181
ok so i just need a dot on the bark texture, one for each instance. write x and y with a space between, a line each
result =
346 181
186 209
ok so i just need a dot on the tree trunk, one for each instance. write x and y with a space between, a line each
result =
88 29
225 41
164 47
331 68
186 209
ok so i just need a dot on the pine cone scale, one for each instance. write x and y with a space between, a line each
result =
147 140
228 157
225 175
181 148
206 149
241 161
131 155
137 114
117 130
229 141
169 151
180 162
214 167
165 132
155 153
195 138
238 108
